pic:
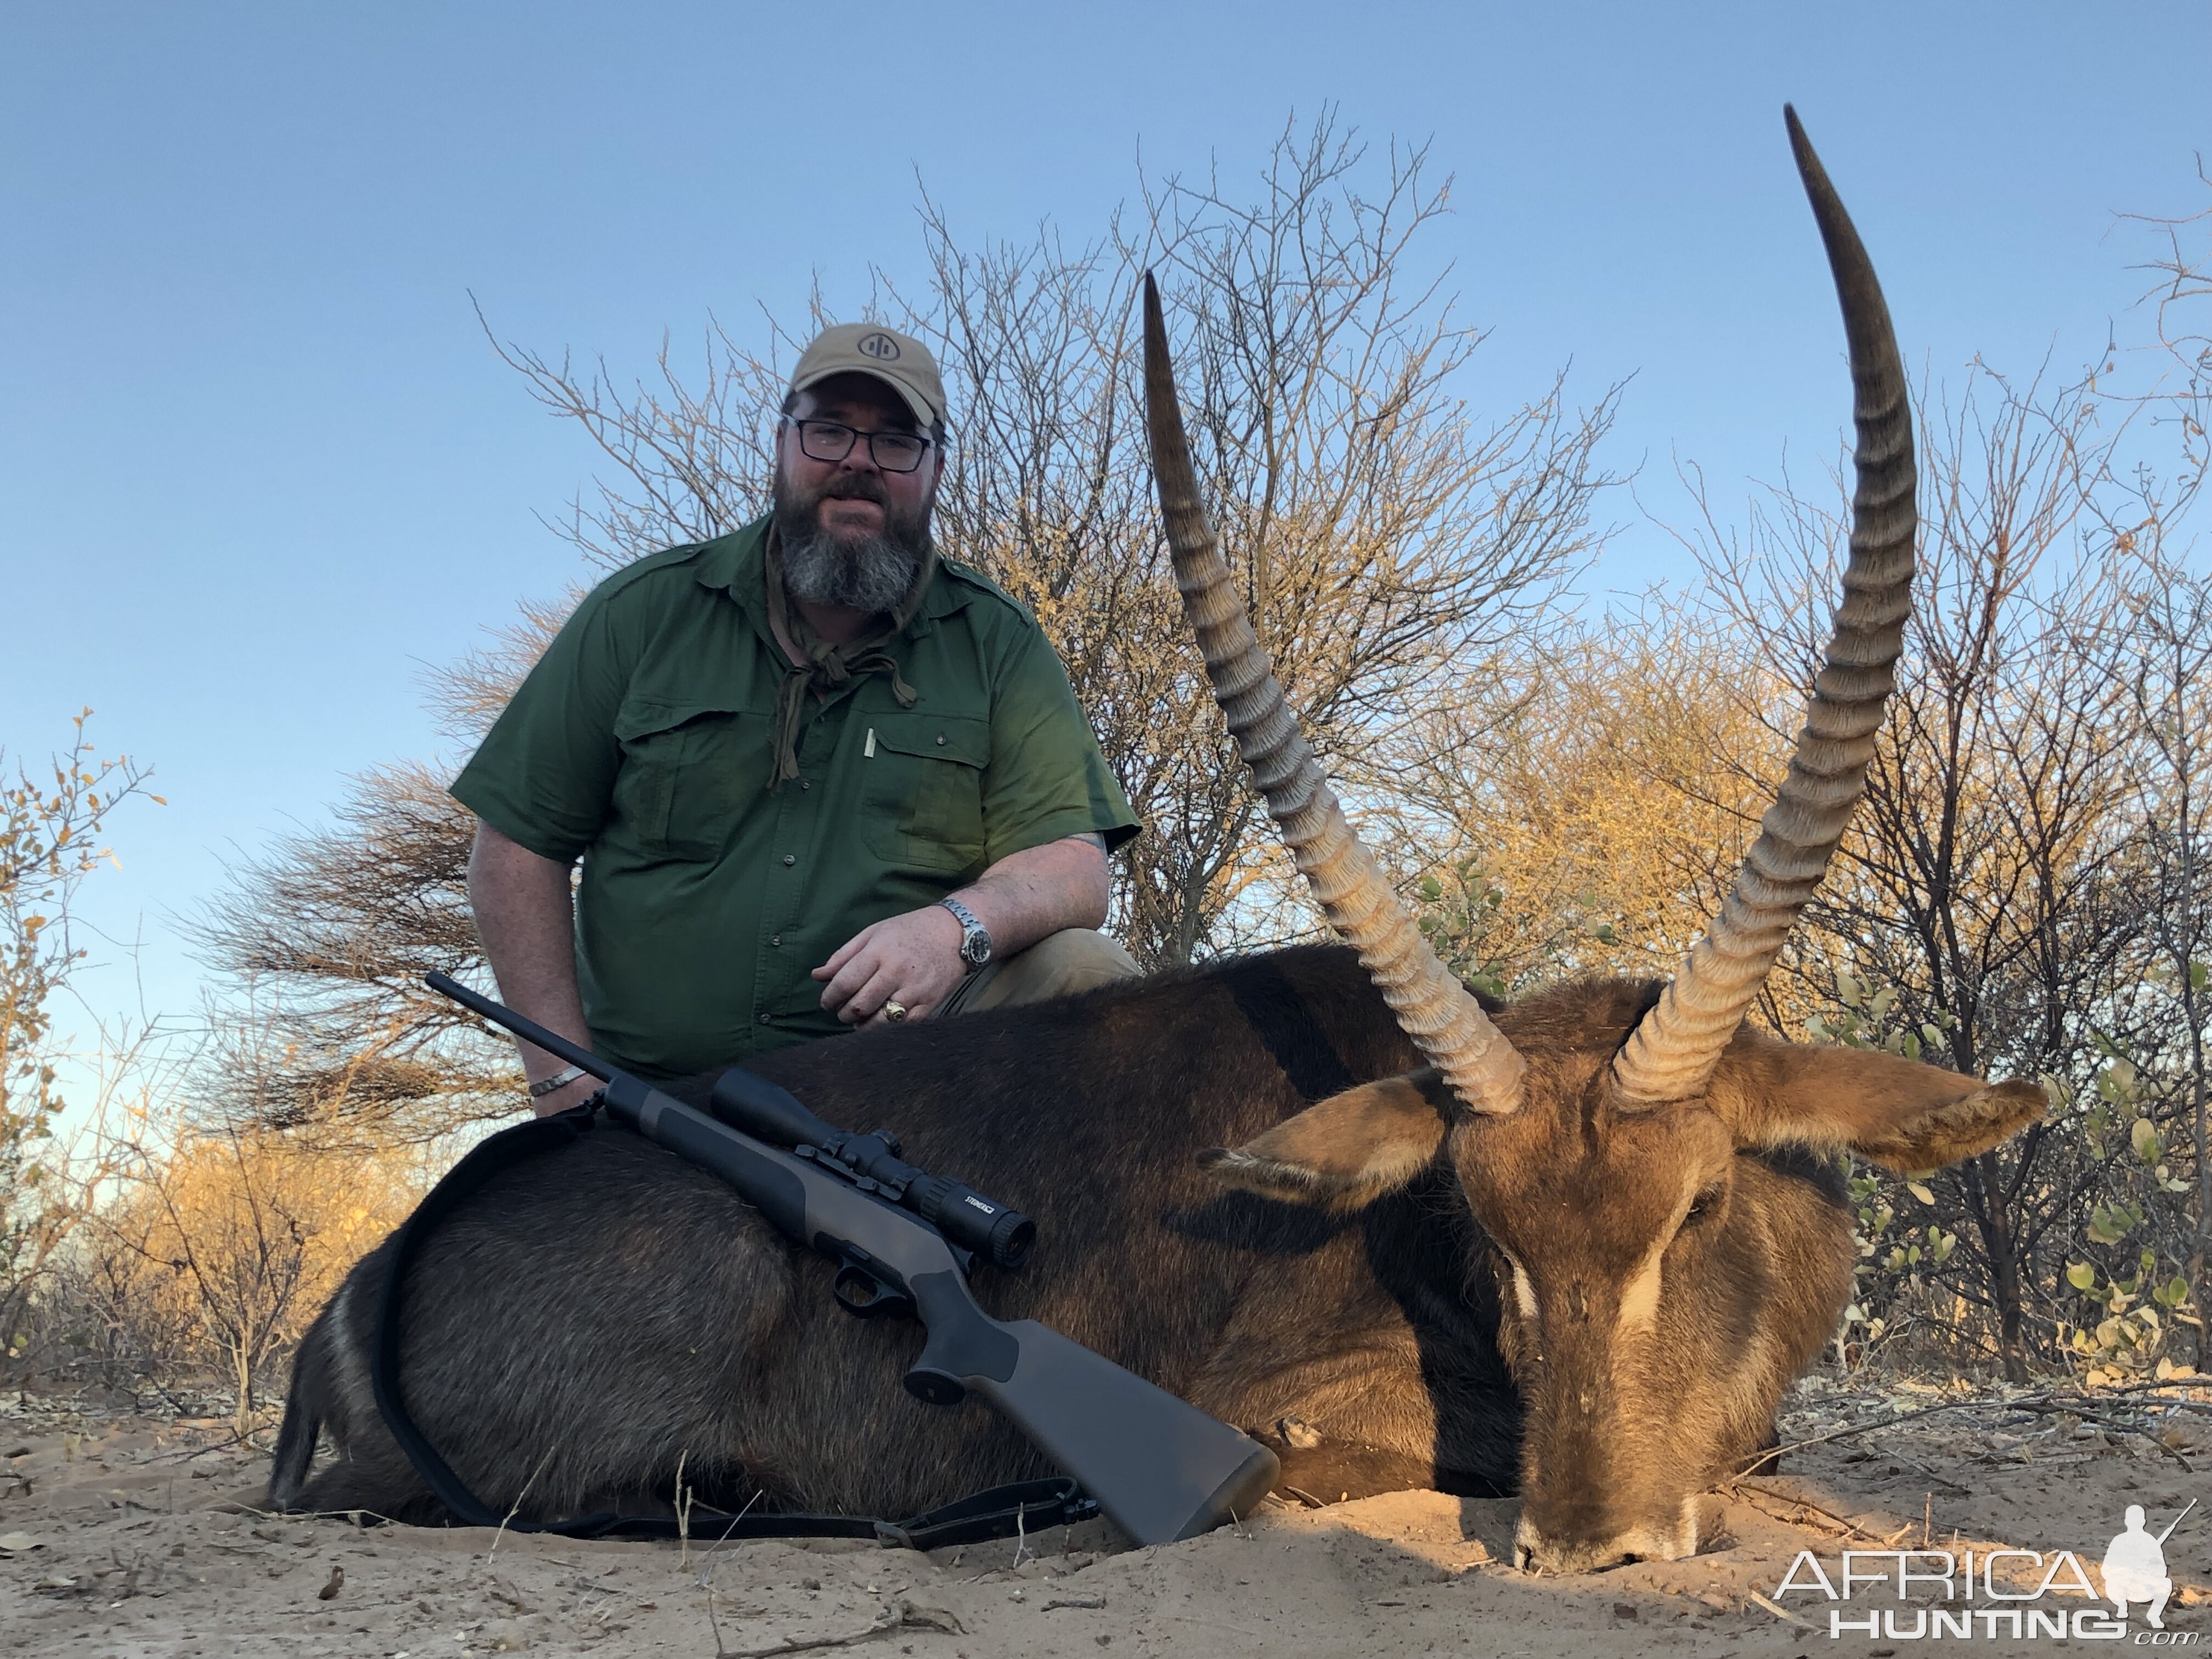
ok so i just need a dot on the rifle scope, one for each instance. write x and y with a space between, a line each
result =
1000 1236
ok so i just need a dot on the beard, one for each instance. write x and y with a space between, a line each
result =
856 572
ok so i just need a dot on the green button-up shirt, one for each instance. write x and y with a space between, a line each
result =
642 741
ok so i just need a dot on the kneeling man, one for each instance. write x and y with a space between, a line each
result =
2135 1570
816 776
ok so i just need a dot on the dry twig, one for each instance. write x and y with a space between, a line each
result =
516 1507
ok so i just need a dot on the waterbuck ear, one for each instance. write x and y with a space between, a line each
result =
1346 1151
1895 1111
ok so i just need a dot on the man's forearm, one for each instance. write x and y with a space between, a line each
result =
1039 890
525 917
914 957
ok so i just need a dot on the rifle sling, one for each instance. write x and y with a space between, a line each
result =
1000 1512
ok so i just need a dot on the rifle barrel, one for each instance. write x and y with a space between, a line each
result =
528 1029
2176 1522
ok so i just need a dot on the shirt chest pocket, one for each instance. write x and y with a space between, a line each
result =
690 773
924 790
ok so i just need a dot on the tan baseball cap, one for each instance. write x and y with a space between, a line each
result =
899 360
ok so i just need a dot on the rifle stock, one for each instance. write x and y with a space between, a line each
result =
1162 1468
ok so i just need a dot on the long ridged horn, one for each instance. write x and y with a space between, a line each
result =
1432 1008
1673 1050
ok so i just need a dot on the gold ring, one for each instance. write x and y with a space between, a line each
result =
894 1011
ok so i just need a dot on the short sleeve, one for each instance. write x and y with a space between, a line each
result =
545 774
1046 778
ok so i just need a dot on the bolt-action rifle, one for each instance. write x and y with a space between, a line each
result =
905 1242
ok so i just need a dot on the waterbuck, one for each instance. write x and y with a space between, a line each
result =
1576 1245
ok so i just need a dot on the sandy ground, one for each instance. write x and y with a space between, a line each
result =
122 1534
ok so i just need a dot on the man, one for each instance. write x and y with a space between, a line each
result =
817 776
2135 1568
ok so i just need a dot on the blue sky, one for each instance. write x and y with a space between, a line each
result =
259 467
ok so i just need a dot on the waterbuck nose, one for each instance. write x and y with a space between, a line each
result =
1561 1551
1541 1556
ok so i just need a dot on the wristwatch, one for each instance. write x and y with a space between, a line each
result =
974 937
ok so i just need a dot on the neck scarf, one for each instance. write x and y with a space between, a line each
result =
825 668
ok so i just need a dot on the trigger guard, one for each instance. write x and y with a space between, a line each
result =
861 1294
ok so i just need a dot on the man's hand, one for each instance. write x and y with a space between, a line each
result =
915 959
912 959
575 1094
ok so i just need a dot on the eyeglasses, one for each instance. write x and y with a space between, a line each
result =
827 441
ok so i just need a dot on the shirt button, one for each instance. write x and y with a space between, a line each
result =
787 858
764 1019
941 739
776 941
804 784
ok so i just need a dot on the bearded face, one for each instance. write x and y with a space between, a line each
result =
857 571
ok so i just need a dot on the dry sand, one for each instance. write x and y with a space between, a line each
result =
123 1534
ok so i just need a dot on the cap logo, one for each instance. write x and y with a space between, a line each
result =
881 347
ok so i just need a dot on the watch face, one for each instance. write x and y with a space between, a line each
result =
974 937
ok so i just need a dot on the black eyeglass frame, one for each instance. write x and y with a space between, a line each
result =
852 435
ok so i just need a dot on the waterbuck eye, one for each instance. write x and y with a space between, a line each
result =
1705 1203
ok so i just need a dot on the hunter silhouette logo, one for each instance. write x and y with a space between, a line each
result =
2134 1567
1987 1593
881 347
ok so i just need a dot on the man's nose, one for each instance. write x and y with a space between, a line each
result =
861 457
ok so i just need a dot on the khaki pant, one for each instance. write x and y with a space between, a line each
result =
1058 965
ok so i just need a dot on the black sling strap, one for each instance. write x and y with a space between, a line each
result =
1001 1512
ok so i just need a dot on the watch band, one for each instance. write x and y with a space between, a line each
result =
974 937
546 1085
